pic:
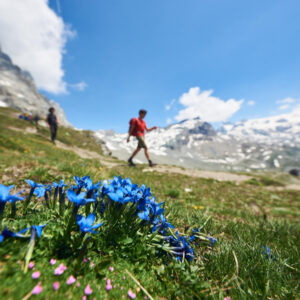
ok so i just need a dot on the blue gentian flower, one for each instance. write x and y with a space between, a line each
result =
267 252
86 224
78 200
92 189
39 191
192 238
61 184
5 197
161 225
7 233
33 184
48 188
83 182
156 207
106 188
38 229
144 215
119 196
59 188
212 241
181 248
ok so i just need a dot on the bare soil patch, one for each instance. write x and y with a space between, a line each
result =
84 153
221 176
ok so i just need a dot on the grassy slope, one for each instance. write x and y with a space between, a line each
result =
242 218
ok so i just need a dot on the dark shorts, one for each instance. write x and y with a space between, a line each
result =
141 142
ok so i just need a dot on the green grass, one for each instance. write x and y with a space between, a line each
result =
242 217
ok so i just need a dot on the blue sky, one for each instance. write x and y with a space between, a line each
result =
143 54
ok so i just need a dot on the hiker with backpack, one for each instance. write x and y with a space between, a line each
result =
137 128
52 123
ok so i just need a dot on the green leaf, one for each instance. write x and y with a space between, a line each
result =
127 241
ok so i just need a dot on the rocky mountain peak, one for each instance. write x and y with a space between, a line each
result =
18 90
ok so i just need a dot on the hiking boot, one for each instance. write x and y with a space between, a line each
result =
151 164
131 164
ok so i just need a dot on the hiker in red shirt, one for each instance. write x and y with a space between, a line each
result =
137 128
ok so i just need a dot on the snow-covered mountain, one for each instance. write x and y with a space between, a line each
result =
279 130
17 90
250 145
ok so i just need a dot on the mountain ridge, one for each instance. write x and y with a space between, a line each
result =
258 144
18 90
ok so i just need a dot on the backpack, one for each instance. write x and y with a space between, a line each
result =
132 123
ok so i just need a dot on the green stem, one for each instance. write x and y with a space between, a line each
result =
30 249
71 221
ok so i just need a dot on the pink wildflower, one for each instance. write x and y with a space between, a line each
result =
124 277
108 285
85 260
92 264
88 290
60 269
37 289
56 285
77 284
84 298
227 298
71 280
111 269
52 261
121 288
131 294
36 275
31 265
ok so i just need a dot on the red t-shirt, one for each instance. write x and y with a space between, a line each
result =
140 126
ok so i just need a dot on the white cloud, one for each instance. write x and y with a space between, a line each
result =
35 38
287 100
169 121
80 86
285 106
251 103
170 105
211 109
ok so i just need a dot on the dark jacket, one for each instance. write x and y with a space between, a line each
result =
52 120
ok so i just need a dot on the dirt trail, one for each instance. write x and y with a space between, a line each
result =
294 187
27 129
221 176
84 153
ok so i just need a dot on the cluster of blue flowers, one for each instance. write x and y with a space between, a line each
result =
113 201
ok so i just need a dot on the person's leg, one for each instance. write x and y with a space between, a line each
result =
147 154
55 132
51 132
136 151
142 144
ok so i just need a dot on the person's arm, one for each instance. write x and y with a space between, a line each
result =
57 122
152 128
131 129
47 120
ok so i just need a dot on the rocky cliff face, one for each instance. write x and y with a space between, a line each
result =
17 90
